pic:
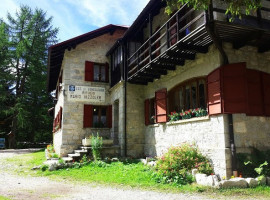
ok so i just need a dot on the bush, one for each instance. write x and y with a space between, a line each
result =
96 144
175 166
254 160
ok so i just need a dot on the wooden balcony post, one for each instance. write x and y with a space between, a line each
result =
177 26
150 39
168 34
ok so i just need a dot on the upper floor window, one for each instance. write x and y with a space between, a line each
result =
98 72
117 58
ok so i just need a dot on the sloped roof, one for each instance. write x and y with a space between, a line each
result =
56 52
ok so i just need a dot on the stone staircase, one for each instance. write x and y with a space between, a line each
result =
107 151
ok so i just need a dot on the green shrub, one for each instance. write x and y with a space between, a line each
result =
175 166
96 144
44 167
248 163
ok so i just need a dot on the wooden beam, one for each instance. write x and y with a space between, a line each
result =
162 66
181 55
172 61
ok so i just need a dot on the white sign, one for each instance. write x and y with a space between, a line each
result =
85 93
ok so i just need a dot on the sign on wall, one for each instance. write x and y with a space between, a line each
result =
85 93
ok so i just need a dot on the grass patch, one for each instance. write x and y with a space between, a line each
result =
131 174
4 198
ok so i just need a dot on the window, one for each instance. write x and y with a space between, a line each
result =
97 72
117 58
188 95
97 116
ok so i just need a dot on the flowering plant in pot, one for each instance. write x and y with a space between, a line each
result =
187 114
174 116
200 112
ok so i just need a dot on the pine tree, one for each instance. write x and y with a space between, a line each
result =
29 34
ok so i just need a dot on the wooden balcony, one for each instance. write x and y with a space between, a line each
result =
187 33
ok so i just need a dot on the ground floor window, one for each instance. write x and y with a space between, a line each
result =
97 116
188 95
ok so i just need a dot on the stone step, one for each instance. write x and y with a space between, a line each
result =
67 159
74 155
81 151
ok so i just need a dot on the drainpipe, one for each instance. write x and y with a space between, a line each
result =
124 54
210 27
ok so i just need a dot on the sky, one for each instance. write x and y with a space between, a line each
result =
76 17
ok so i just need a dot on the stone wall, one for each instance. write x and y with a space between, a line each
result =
135 120
251 131
117 97
73 67
57 136
210 134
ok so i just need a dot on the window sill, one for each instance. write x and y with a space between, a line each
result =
195 119
153 125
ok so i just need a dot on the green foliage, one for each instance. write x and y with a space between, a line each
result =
233 7
44 167
175 166
252 165
96 144
24 101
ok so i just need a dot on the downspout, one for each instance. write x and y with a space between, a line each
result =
210 27
124 53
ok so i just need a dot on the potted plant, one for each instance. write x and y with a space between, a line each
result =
86 141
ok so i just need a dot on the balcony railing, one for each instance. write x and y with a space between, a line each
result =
176 29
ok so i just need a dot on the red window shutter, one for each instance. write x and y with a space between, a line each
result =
107 72
161 105
234 88
88 116
109 116
214 92
146 112
254 92
89 71
266 93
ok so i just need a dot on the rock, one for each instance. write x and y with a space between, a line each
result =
268 181
114 159
252 182
53 167
36 167
200 178
194 172
152 163
235 182
216 181
144 161
261 180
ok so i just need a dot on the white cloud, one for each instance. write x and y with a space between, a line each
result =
103 12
